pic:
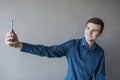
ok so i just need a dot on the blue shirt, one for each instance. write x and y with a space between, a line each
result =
84 63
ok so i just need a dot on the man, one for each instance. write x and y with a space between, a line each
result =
85 57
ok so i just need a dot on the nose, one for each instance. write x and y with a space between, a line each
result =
90 31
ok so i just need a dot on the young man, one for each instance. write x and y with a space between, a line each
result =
85 57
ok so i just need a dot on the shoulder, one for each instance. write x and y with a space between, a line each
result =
99 48
71 42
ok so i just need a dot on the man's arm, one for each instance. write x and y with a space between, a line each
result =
12 40
42 50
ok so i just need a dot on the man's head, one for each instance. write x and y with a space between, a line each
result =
97 21
94 28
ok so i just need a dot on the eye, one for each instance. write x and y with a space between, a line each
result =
95 31
87 28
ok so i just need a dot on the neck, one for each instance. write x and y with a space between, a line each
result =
90 43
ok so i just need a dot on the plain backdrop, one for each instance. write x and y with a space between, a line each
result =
52 22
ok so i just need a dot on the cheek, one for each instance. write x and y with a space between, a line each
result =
96 35
85 31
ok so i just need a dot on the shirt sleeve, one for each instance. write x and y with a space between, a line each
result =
49 51
42 50
100 70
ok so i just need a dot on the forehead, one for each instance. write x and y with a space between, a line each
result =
94 26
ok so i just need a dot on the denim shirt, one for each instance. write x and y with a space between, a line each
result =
84 63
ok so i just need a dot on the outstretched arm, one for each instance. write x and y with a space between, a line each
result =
12 40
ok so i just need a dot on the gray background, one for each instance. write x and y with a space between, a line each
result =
53 22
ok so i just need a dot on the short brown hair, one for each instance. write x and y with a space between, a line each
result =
98 21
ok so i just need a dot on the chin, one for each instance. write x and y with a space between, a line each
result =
89 39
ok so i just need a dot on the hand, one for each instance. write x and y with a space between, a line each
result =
12 40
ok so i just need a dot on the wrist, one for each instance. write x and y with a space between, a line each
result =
19 45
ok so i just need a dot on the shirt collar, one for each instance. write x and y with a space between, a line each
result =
84 43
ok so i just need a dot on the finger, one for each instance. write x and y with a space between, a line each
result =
8 33
11 44
8 36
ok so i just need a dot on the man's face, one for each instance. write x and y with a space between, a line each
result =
92 32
